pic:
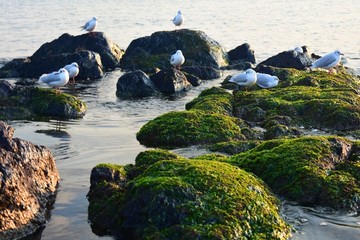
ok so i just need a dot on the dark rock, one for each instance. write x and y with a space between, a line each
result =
109 52
194 80
94 54
135 84
6 89
204 73
155 50
239 66
289 59
170 81
89 64
242 53
28 185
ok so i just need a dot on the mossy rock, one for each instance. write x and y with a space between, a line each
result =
234 147
186 128
335 109
199 199
213 100
309 170
155 51
47 102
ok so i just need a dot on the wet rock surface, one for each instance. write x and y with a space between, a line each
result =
29 179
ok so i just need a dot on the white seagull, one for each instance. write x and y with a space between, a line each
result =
73 70
177 59
328 61
178 19
90 25
245 79
55 79
266 80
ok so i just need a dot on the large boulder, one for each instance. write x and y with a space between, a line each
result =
90 65
28 182
178 198
94 53
23 102
289 59
155 51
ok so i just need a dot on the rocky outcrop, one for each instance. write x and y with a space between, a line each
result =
289 59
28 185
23 102
178 198
94 54
155 51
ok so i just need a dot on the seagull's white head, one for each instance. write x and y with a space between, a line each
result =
179 12
338 52
63 70
179 52
74 64
250 71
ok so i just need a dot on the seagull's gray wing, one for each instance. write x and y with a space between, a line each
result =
325 60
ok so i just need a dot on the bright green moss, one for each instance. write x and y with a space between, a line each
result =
234 147
301 169
309 106
149 157
204 199
213 100
185 128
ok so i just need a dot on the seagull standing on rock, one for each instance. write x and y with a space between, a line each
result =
177 59
245 79
73 70
90 25
328 61
55 79
178 19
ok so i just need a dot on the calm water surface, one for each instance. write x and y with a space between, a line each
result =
107 132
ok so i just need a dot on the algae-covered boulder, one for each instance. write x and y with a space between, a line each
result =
19 102
186 128
155 51
311 170
194 199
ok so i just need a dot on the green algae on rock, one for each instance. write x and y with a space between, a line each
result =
27 102
310 170
198 48
190 199
186 128
46 102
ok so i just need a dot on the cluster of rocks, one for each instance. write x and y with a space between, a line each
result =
168 196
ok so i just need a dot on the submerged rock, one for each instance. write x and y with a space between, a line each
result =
187 199
28 185
23 102
154 51
94 54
